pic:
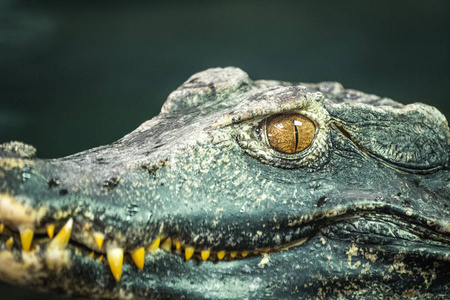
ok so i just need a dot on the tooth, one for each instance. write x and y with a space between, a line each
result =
2 226
51 230
139 257
91 255
115 260
100 258
99 238
10 242
167 245
26 236
188 252
154 245
244 253
62 238
255 252
205 254
220 255
233 254
178 245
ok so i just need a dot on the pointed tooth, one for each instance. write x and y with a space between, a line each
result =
91 255
100 258
233 254
154 245
220 255
138 256
205 254
99 238
2 226
10 242
50 230
62 238
244 253
188 252
178 245
26 236
115 260
167 244
255 252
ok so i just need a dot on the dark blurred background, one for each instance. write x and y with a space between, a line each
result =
78 74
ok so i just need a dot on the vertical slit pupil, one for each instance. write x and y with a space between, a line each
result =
290 133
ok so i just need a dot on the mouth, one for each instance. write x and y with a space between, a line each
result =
28 241
57 242
24 242
20 236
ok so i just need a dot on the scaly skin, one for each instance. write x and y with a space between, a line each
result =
362 212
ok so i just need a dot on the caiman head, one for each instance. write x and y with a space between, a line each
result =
239 189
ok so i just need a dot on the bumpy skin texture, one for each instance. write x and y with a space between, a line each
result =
369 199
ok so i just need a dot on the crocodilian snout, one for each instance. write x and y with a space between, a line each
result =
21 219
38 214
19 212
60 217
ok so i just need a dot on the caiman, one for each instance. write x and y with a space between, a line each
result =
240 189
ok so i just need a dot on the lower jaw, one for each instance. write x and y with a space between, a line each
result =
166 273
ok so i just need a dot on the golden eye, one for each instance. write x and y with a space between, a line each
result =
290 133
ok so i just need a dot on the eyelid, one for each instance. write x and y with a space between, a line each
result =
274 100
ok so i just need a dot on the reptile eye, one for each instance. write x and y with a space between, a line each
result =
290 133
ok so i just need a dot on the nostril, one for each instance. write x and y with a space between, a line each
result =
54 182
63 192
